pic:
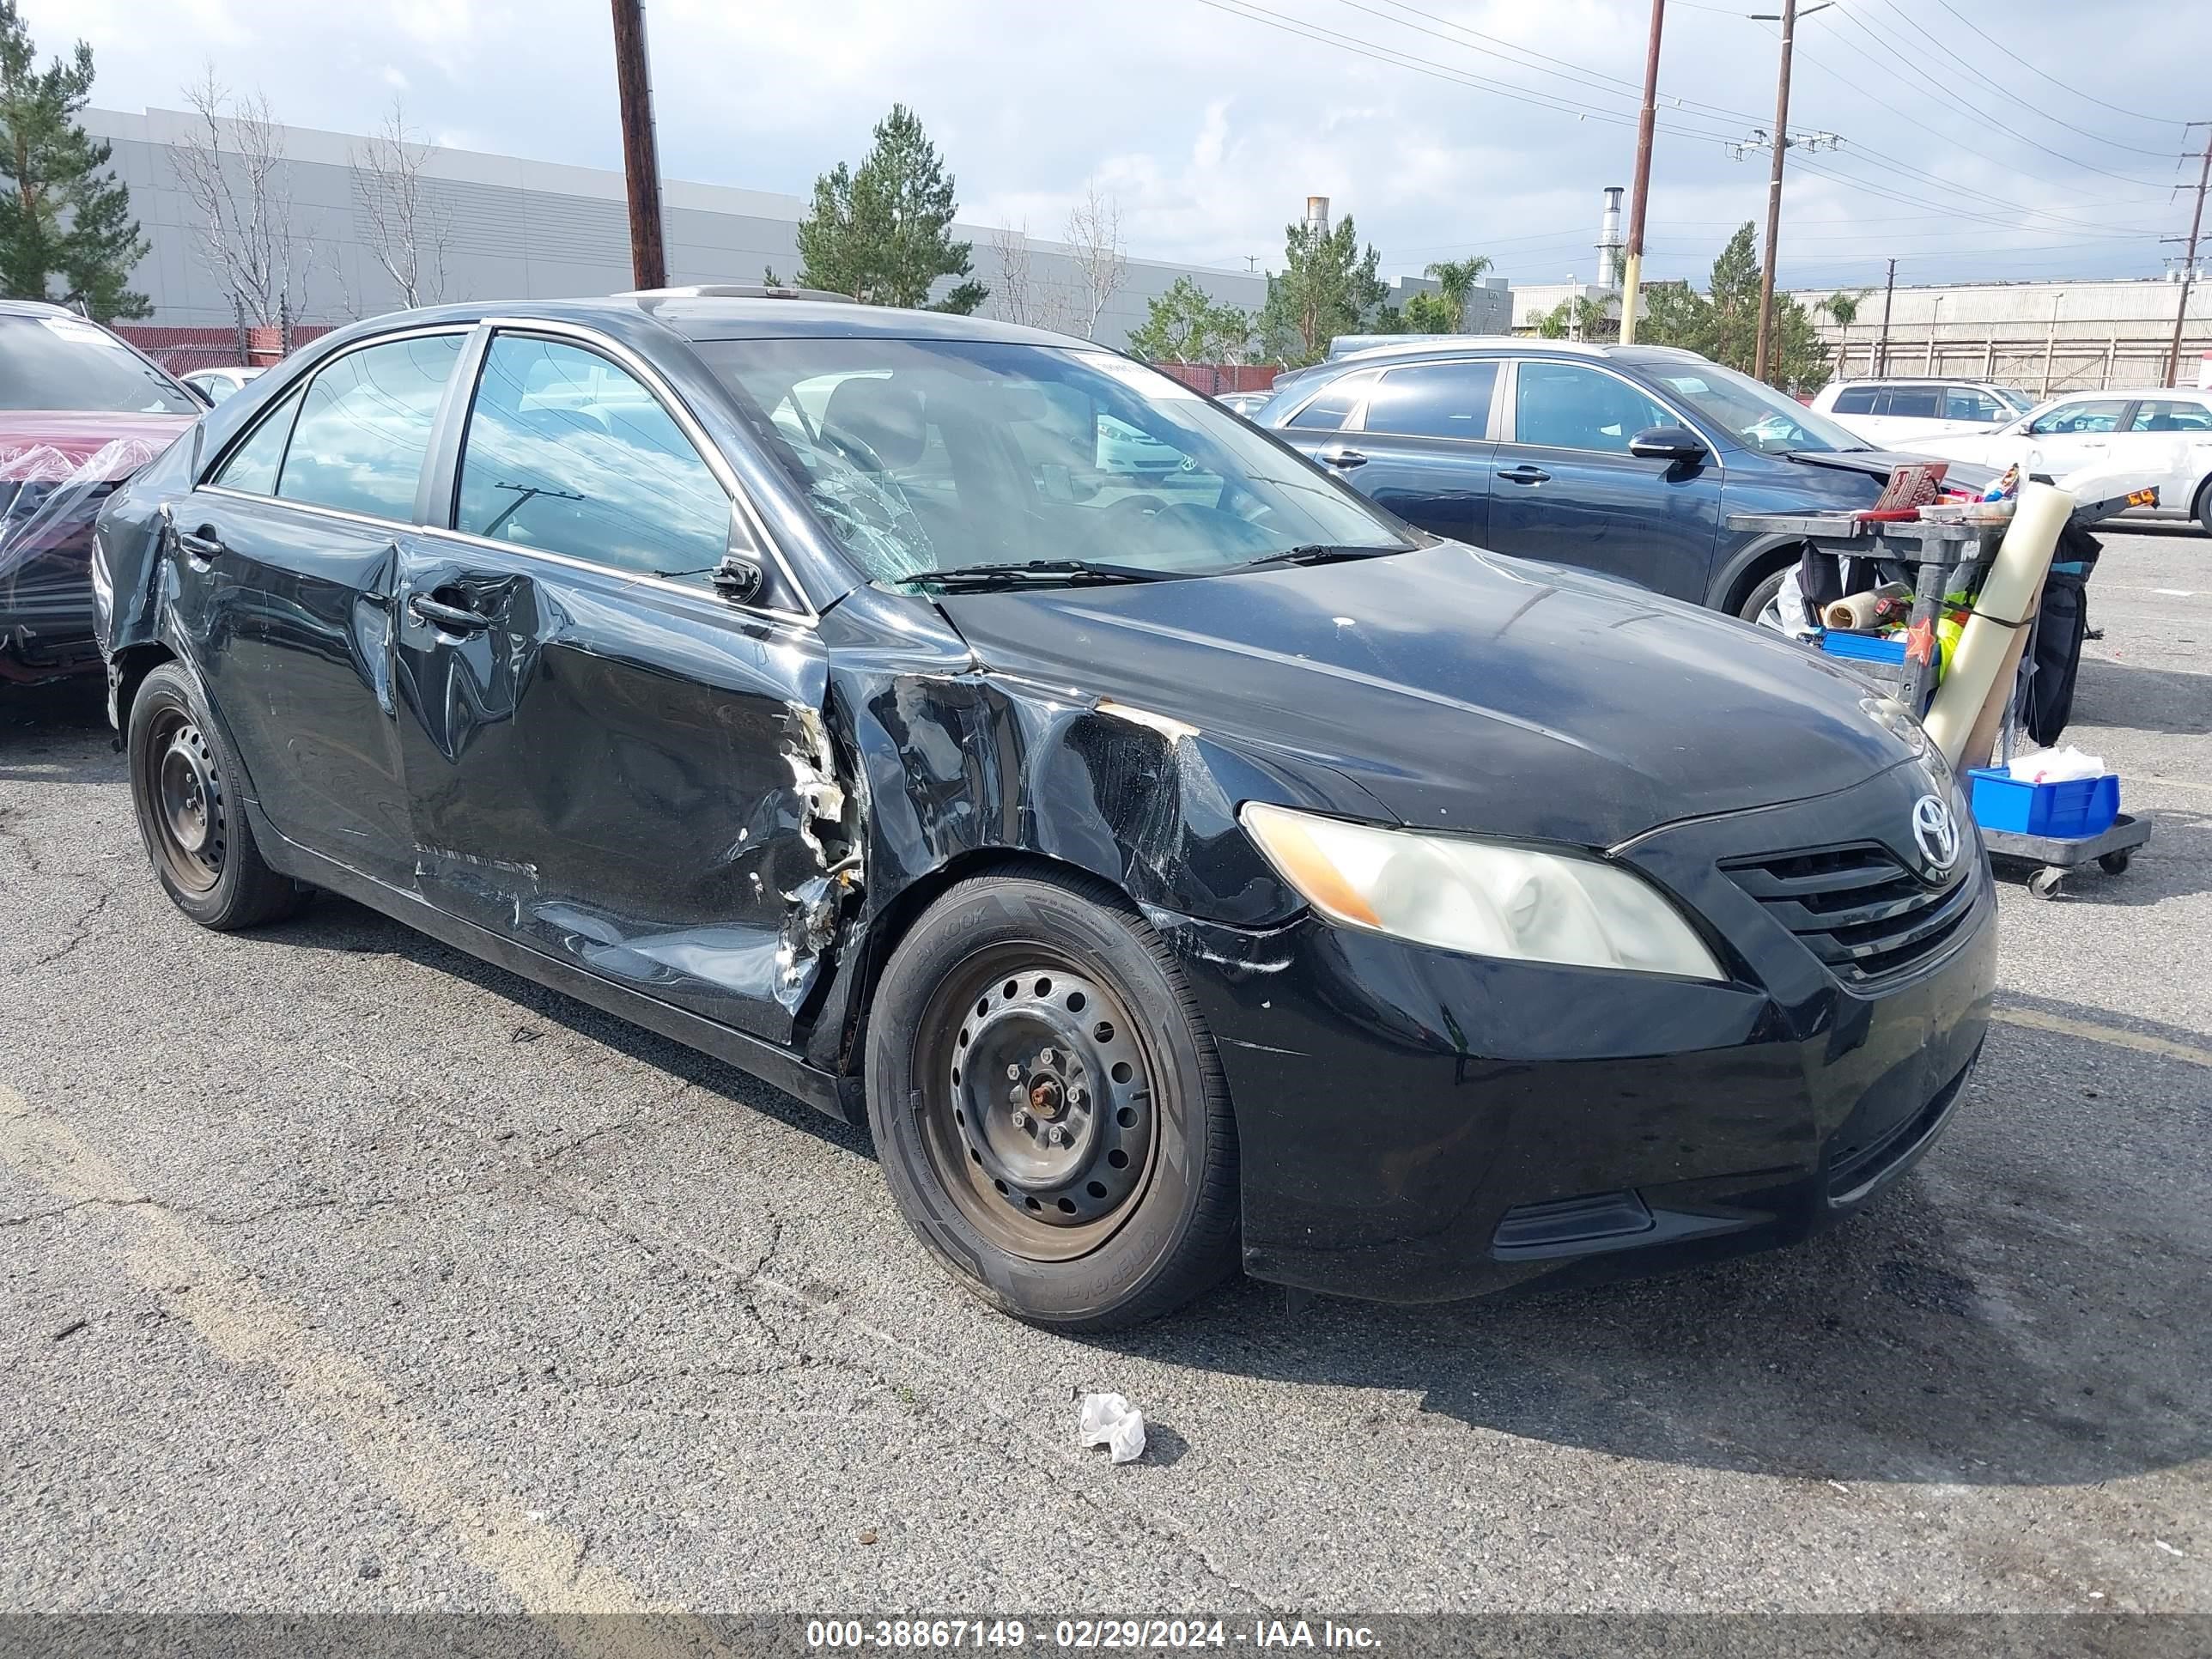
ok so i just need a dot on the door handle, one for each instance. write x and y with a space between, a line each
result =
1525 475
453 618
1344 457
200 545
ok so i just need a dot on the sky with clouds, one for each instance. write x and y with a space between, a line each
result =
1989 139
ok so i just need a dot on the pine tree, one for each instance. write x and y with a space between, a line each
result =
1328 287
879 233
63 214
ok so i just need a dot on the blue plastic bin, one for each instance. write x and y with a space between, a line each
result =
1865 647
2069 810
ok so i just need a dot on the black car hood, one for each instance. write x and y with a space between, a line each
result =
1461 690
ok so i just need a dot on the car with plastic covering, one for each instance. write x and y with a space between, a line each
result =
80 411
1177 871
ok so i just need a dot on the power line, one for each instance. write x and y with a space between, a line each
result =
1901 56
1991 41
1256 13
1628 89
1959 61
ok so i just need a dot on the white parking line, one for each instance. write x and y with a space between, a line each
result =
543 1567
2118 1036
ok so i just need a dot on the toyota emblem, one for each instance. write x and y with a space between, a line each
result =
1937 831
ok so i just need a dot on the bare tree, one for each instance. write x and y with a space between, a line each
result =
233 168
1094 235
1010 295
407 229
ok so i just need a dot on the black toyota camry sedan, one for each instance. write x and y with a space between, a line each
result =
1177 862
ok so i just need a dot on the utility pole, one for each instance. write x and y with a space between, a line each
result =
1631 274
648 259
1889 293
2189 263
1774 193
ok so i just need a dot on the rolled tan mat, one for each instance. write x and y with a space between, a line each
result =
1989 646
1982 740
1852 611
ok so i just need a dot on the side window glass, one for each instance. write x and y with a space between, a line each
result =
1434 400
1855 400
252 466
2097 417
1918 403
1326 411
2168 415
1964 403
1566 406
566 452
364 428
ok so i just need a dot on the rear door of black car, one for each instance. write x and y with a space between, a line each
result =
605 756
1424 445
285 556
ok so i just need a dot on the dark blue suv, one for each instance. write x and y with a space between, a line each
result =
1622 459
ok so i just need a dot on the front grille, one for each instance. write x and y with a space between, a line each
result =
1857 908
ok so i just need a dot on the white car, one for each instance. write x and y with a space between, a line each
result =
2160 436
217 384
1895 412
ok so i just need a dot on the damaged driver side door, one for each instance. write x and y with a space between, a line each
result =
607 760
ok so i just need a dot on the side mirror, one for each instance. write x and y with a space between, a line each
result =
738 577
1667 443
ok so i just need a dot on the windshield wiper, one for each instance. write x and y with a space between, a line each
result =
1318 553
1060 573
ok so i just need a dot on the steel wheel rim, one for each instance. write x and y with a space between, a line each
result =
184 803
1037 1106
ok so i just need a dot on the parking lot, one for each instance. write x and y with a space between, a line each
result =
345 1272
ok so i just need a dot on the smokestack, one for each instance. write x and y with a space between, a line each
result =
1610 247
1317 214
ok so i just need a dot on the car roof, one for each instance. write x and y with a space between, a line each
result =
1918 379
732 312
35 308
1464 345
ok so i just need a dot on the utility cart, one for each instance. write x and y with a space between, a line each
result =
1945 556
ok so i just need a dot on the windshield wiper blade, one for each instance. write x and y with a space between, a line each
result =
1318 553
1062 572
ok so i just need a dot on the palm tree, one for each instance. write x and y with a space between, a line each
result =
1844 308
1456 279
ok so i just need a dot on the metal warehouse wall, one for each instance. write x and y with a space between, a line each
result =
2041 336
522 229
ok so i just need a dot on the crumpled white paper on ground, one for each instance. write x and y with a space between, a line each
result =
1109 1421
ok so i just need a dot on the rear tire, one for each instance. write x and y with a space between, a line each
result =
1049 1107
1761 598
183 789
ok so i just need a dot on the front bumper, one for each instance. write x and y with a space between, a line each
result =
1417 1126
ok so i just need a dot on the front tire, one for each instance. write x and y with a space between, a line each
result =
1762 599
1049 1107
183 789
2201 509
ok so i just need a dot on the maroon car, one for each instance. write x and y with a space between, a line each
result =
80 411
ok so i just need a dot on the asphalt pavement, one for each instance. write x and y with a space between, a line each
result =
343 1271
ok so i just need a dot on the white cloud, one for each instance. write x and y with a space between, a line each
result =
1212 128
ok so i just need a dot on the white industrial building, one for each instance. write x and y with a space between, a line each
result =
2044 336
522 229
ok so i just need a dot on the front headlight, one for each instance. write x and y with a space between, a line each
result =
1480 897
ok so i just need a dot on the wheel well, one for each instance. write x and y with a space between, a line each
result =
2197 504
1765 565
132 665
912 903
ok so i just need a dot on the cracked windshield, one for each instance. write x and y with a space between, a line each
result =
926 457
